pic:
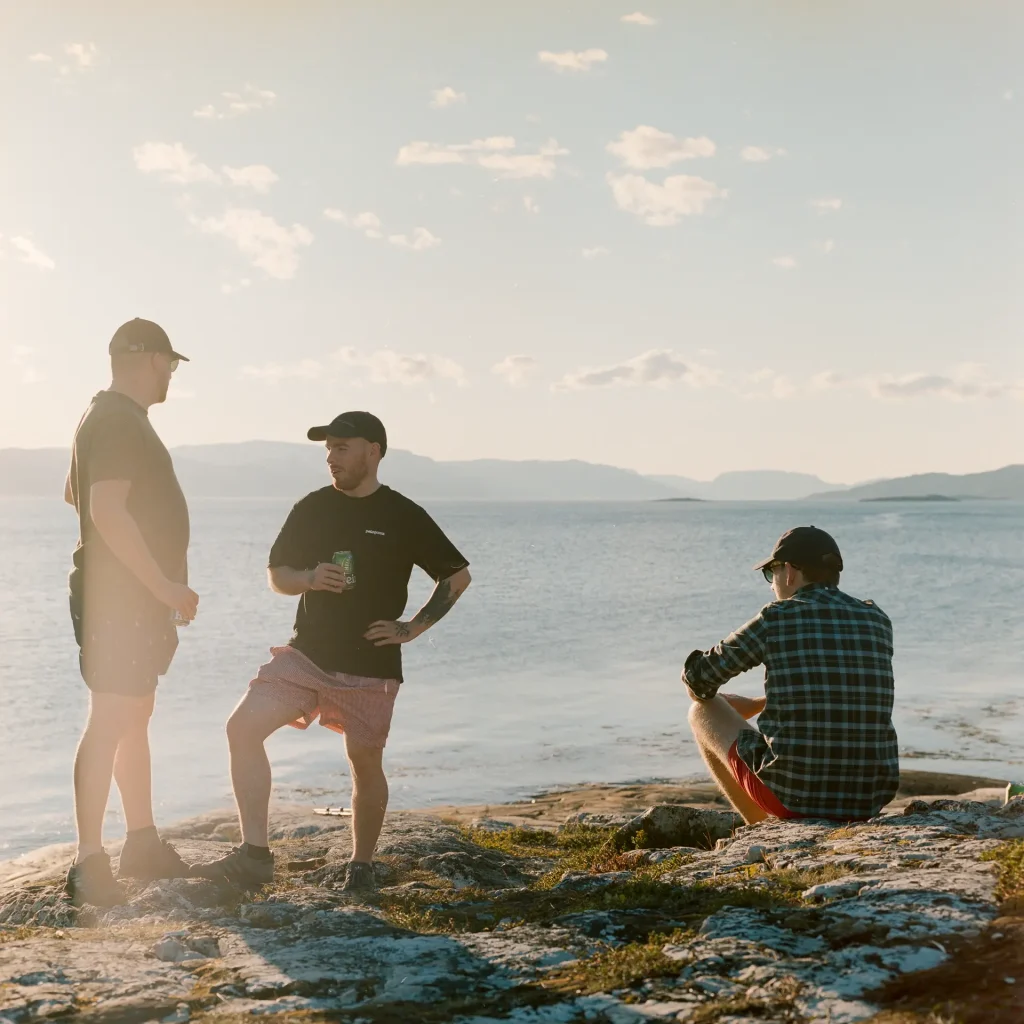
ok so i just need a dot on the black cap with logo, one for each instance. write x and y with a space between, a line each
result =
353 424
140 335
803 546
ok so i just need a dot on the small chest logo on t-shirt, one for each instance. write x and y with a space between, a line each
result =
377 533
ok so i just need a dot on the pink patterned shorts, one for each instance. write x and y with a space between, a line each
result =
358 706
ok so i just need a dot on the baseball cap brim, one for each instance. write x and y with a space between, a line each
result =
332 430
768 561
178 355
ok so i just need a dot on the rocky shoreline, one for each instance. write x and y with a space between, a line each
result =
605 904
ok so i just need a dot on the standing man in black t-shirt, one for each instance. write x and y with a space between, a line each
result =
130 578
344 660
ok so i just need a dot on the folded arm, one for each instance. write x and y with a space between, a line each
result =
706 671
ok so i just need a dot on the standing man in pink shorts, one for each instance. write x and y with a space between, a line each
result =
344 660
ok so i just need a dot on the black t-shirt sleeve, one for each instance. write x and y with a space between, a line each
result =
292 547
432 551
117 450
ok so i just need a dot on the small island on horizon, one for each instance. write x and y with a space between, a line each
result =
677 499
913 497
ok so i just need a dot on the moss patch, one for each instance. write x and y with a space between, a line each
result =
623 967
1010 879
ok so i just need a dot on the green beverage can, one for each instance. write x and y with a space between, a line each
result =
347 563
1014 789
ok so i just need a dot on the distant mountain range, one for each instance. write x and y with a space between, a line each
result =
1005 483
283 469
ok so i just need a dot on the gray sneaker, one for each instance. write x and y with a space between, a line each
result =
359 878
239 869
90 881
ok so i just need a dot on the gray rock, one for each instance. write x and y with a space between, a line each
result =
668 825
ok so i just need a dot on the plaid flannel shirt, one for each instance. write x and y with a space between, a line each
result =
825 744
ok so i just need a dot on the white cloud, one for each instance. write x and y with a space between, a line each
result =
231 289
31 254
826 246
83 54
446 97
530 204
515 369
659 367
1008 95
495 153
645 147
760 154
784 262
572 60
307 369
369 224
638 18
235 104
661 205
272 247
594 251
386 366
826 205
40 58
421 239
258 177
21 359
966 383
173 163
767 383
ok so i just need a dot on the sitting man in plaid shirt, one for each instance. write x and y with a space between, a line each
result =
825 746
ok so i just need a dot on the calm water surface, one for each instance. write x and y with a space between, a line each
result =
560 665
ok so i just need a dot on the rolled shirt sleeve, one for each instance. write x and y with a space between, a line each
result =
705 672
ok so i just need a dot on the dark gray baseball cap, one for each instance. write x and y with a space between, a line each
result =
353 424
140 335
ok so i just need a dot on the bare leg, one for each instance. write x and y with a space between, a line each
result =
253 720
716 726
369 798
111 715
132 769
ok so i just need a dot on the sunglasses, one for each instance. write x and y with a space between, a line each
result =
768 572
174 364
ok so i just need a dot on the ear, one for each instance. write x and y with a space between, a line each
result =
792 575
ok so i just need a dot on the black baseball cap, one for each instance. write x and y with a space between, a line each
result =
803 546
140 335
353 424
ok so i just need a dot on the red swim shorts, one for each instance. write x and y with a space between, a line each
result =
756 789
358 706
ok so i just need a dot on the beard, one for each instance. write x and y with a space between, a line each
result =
351 477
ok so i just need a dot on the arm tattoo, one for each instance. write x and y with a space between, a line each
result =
439 604
401 629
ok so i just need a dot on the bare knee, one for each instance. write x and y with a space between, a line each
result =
239 729
112 715
365 762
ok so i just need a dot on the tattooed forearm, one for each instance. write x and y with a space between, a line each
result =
440 603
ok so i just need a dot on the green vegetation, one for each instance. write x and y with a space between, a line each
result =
619 968
1010 880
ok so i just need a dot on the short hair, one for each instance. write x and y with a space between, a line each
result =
825 570
123 362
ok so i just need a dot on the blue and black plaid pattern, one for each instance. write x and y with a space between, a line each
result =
825 743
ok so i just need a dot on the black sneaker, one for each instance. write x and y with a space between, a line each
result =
150 858
359 878
91 882
238 868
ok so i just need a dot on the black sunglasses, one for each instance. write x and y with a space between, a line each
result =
768 571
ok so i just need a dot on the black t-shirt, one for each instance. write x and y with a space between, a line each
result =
387 534
116 441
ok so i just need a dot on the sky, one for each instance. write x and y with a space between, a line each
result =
688 237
